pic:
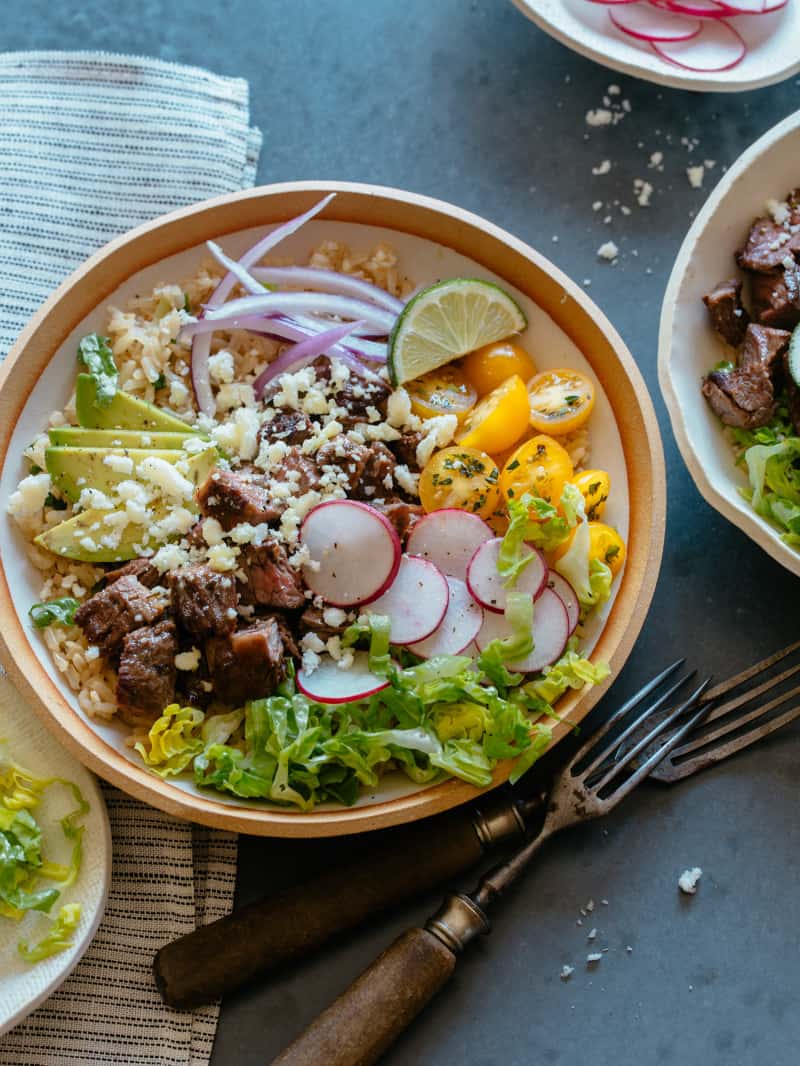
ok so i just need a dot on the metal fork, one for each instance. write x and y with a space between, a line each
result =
366 1019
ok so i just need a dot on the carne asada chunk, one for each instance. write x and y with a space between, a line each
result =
776 297
405 449
297 470
270 580
312 620
769 243
247 664
377 477
403 516
356 395
203 600
290 648
107 617
194 687
236 498
741 397
348 456
764 347
728 316
291 427
142 569
146 675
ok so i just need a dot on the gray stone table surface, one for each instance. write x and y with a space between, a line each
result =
468 101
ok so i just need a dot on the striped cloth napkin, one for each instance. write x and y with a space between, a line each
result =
91 145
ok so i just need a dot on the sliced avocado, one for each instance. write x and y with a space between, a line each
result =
793 358
75 469
66 539
124 411
78 437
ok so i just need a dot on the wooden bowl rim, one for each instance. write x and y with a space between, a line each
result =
419 216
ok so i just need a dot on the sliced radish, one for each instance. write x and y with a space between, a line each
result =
648 23
550 633
416 601
566 593
449 538
717 47
330 683
612 3
485 583
458 628
354 550
704 9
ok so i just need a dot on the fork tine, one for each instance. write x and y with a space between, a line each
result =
752 671
746 697
728 727
634 701
670 771
657 756
665 723
619 740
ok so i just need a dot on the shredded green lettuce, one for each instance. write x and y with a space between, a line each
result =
23 867
96 355
173 740
59 612
571 671
774 474
590 578
533 520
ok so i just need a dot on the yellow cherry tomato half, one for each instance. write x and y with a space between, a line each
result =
499 419
491 365
460 477
540 466
606 545
595 485
556 553
445 391
561 401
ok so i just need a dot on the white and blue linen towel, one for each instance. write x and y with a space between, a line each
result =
91 145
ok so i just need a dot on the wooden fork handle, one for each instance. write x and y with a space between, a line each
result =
368 1017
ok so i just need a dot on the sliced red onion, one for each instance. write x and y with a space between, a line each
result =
327 281
201 348
287 303
242 275
299 355
648 23
718 47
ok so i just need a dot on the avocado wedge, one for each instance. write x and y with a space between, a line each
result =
79 538
123 412
74 469
79 437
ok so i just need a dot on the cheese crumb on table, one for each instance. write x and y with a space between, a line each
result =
567 972
599 116
608 251
688 880
602 168
695 176
595 956
643 190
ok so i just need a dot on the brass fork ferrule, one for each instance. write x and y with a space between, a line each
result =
458 921
496 821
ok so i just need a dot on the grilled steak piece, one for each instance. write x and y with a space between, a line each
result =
290 647
403 516
728 316
247 664
741 397
764 347
297 470
769 243
142 569
270 580
405 450
203 600
376 480
311 620
776 297
234 498
194 687
356 395
291 427
146 675
107 617
349 457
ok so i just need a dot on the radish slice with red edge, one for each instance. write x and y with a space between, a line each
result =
486 584
566 593
648 23
704 9
459 627
550 633
331 683
415 602
613 3
717 47
354 552
449 538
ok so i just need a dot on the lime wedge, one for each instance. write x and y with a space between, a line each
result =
448 320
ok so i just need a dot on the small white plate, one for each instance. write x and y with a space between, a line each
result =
687 345
23 985
773 46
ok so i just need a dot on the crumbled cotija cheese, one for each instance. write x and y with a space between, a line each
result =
687 882
164 476
602 168
608 251
221 368
599 116
222 557
28 498
695 176
188 660
120 464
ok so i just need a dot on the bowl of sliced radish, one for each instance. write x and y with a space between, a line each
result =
705 45
437 494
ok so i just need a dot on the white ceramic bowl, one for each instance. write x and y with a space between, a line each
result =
688 346
773 46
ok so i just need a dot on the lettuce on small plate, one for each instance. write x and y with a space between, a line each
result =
54 931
